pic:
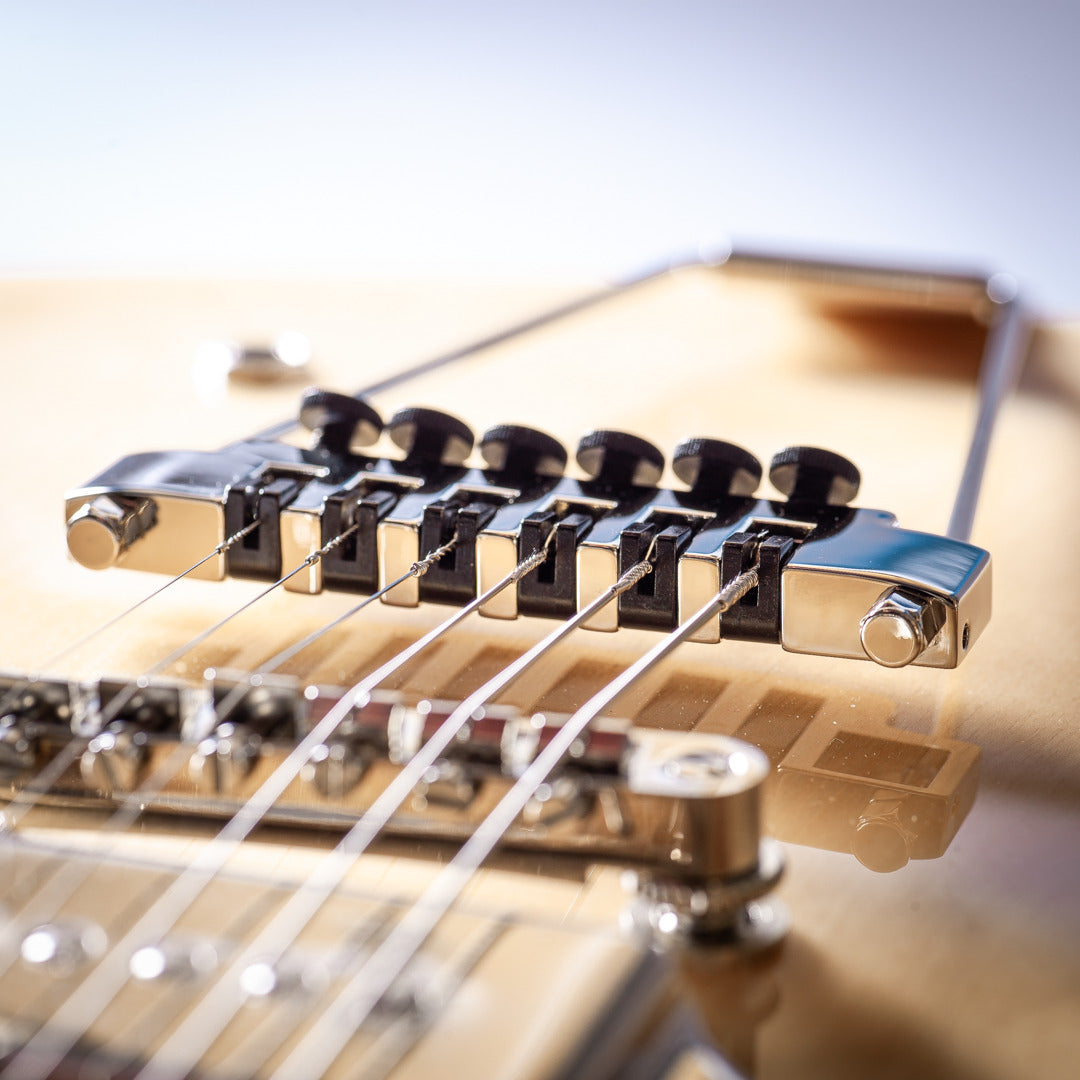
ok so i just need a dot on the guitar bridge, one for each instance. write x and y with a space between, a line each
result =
834 580
681 809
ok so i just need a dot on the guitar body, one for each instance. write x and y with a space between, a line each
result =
930 817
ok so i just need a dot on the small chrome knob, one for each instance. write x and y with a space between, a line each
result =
113 759
900 625
100 531
18 750
334 769
222 760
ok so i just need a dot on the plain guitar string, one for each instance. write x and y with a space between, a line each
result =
85 1004
335 1026
677 632
66 879
202 1025
464 352
29 795
34 679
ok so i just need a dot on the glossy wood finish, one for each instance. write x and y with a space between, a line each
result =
966 964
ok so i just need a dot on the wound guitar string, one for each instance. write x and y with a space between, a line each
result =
334 1027
65 880
28 796
73 1018
452 882
48 776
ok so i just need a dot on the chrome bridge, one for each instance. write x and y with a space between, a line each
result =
681 809
834 580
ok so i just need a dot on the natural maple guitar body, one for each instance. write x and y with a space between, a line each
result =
965 962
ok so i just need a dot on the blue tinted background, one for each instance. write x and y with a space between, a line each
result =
556 139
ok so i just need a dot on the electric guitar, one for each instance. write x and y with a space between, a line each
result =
187 886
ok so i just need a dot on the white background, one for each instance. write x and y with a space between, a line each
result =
565 139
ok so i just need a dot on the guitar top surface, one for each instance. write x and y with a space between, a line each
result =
960 957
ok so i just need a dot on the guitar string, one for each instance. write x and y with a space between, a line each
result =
65 881
137 802
29 795
35 678
212 859
509 333
216 1008
74 1017
334 1026
601 297
482 344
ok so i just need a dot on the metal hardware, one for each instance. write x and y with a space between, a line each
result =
556 801
100 531
334 769
222 760
829 586
62 947
114 758
446 783
618 796
173 958
18 749
823 565
731 911
899 627
286 357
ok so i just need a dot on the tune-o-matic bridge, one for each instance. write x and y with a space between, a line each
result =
679 807
833 580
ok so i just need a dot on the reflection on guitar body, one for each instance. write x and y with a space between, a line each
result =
255 847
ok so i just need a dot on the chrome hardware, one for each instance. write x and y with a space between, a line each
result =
448 784
223 759
100 531
334 769
17 749
830 586
823 565
698 771
897 629
726 911
719 868
286 357
173 959
114 758
557 800
60 948
684 804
